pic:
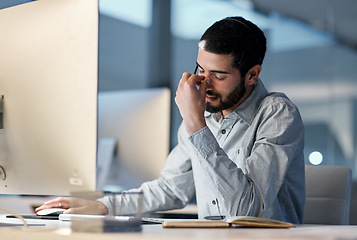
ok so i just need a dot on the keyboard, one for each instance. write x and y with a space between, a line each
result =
34 216
74 217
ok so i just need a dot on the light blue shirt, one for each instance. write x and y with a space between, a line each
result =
249 163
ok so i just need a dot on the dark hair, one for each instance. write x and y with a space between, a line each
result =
238 37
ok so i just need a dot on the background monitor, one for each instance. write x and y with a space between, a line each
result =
133 135
48 84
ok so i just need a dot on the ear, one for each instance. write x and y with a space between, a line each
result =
252 74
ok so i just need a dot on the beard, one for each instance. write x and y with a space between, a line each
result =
232 99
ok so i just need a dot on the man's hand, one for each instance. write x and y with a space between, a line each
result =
76 206
191 101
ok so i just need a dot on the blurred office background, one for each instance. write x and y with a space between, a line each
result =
311 56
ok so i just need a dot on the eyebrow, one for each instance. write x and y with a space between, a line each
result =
212 71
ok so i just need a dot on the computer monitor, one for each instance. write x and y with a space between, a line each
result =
48 89
133 135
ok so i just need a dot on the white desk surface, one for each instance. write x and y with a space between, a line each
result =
55 229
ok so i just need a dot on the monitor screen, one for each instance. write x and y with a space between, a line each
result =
48 92
133 136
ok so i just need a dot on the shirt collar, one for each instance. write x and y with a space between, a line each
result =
249 107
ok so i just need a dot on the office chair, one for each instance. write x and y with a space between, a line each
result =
328 193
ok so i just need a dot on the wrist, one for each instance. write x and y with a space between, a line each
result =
191 127
102 209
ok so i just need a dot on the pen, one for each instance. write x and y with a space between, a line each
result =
215 217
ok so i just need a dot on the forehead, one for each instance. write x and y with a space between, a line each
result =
212 61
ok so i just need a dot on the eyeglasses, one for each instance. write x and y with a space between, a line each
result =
196 68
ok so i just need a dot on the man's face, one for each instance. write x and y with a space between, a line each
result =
227 88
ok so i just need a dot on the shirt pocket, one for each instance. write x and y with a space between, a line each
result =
240 156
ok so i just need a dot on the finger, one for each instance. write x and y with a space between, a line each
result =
60 202
40 208
184 78
191 78
203 86
195 79
55 203
46 205
182 83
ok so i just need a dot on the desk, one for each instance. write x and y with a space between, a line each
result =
61 230
57 230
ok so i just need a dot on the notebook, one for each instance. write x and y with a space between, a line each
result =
247 221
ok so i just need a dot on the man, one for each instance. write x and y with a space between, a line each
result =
240 148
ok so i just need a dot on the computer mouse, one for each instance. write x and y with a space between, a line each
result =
50 212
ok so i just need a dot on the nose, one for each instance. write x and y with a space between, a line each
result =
208 79
206 75
209 83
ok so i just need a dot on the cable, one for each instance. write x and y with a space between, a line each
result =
15 214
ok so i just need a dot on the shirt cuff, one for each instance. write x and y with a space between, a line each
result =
108 203
204 142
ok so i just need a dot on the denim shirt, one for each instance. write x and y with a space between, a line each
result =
249 163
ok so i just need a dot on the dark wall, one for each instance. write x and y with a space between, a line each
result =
123 55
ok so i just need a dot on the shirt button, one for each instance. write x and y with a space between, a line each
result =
223 131
214 202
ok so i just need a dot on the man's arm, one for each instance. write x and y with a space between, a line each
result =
191 101
254 189
171 191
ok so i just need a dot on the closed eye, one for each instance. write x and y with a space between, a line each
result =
220 78
216 73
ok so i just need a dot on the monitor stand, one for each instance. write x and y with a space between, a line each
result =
2 140
106 151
